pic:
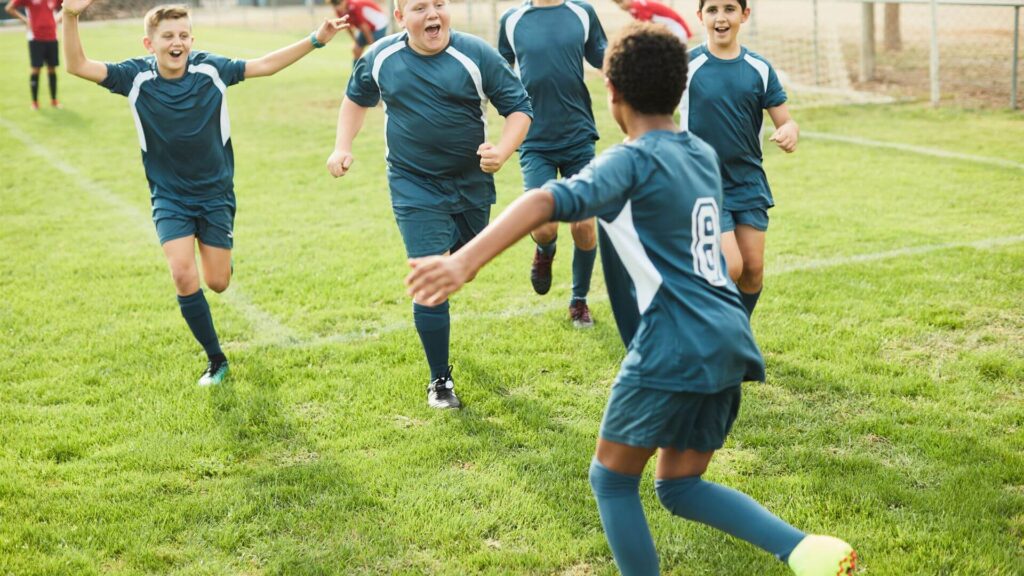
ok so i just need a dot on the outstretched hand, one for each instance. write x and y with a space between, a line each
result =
328 29
434 278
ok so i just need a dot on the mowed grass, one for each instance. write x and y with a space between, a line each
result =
892 415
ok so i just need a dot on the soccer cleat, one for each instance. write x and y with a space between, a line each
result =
818 555
35 105
215 373
540 271
441 392
579 313
56 104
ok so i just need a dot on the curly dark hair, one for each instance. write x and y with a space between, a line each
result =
647 65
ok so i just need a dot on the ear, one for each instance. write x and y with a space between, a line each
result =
700 16
746 14
398 17
148 44
613 94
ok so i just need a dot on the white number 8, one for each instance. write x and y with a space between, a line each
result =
706 247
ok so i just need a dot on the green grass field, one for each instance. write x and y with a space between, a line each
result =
892 324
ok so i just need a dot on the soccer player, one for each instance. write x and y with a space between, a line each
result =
650 11
729 88
547 41
178 99
367 22
41 28
435 84
689 344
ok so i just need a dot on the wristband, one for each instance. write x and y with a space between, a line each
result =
316 43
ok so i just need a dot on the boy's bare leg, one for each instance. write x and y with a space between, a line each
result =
584 234
181 258
216 267
751 246
733 257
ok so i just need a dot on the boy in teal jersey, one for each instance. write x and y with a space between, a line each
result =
688 341
547 42
179 102
729 88
435 84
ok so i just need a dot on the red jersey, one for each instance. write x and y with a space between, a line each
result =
649 11
365 12
41 25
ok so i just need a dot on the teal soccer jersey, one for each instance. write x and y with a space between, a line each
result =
183 125
435 109
657 202
547 46
724 105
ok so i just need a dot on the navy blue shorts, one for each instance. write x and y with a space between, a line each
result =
43 52
540 166
756 218
649 418
212 223
429 233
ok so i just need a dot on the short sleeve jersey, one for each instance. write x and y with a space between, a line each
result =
183 125
724 104
547 46
366 12
657 202
435 107
41 24
648 11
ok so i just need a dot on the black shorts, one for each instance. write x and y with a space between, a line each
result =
42 52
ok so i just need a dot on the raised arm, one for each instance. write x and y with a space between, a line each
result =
493 156
787 132
280 59
434 278
350 121
76 61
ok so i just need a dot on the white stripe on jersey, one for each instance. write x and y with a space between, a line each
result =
684 103
133 96
626 243
673 26
474 73
510 31
584 19
377 63
375 17
225 120
761 67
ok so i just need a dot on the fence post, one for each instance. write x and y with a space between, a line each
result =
867 42
933 69
817 72
1016 57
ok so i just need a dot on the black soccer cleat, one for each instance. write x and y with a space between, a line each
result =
441 392
540 271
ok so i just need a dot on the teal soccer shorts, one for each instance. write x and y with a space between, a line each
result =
428 233
648 418
756 218
540 166
212 223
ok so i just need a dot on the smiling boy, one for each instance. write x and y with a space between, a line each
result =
435 84
179 102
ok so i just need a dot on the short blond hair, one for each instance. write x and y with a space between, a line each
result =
165 12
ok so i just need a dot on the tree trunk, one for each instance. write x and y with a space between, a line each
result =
893 41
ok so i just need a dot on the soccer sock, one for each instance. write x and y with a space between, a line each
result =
622 515
582 270
433 324
749 300
196 311
547 249
33 83
730 511
52 77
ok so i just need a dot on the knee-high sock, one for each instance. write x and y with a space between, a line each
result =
33 84
52 77
196 311
582 271
622 515
749 301
433 324
730 511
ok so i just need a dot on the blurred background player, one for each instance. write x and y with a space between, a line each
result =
650 11
435 84
178 98
367 22
42 43
689 344
729 89
547 41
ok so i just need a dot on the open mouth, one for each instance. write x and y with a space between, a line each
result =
721 29
433 31
176 53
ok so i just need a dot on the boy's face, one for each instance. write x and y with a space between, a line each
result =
722 20
171 43
427 22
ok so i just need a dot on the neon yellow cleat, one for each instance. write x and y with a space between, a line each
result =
817 555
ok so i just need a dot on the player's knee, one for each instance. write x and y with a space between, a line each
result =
218 285
545 234
735 266
584 234
675 493
753 273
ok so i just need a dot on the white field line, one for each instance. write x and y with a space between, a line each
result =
261 322
923 150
